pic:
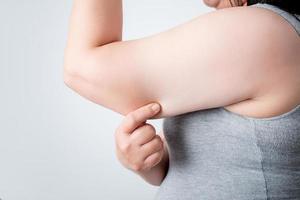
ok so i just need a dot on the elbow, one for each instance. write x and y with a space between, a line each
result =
77 68
87 66
69 69
69 76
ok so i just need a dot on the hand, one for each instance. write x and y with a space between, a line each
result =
138 147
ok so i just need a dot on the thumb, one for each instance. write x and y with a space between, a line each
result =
138 117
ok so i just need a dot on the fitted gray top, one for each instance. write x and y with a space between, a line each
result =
216 154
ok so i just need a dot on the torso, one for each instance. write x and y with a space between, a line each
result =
230 157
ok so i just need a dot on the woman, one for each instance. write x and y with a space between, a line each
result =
228 81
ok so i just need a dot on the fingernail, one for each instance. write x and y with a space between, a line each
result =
155 107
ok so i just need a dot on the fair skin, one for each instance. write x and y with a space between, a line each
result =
204 63
139 148
220 4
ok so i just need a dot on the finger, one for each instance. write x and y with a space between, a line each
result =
154 145
143 134
137 117
162 135
154 159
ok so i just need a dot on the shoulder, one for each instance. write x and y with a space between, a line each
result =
254 22
267 37
253 28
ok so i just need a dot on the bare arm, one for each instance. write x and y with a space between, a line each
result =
93 23
213 60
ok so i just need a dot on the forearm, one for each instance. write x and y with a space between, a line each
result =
157 174
94 23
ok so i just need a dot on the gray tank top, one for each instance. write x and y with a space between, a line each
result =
217 154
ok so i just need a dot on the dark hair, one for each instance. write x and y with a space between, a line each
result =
291 6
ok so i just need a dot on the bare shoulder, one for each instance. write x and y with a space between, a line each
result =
259 26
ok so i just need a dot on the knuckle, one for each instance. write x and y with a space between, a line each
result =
145 129
149 128
117 132
159 143
155 159
125 147
137 167
133 118
157 140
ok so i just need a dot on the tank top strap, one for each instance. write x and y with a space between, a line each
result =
294 20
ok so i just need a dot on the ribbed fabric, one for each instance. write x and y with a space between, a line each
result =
216 154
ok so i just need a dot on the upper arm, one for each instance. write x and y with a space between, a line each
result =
213 60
